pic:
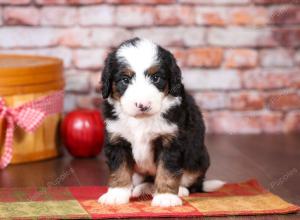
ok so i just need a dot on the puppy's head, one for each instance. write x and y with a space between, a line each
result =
140 75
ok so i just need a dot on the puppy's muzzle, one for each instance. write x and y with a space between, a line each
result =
143 107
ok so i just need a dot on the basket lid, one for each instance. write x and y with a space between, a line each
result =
24 71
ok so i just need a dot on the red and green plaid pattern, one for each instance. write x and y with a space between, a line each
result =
247 198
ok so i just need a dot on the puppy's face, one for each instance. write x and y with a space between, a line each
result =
139 75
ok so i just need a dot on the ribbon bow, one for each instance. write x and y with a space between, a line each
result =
27 116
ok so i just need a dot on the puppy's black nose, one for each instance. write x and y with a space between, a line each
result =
142 107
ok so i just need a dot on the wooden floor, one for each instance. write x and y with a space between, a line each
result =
272 159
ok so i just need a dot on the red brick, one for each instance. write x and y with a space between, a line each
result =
204 57
84 2
89 58
97 15
75 2
240 36
242 101
210 79
140 1
241 58
257 16
1 16
74 37
50 2
270 79
284 101
14 37
292 122
267 2
211 16
233 123
78 82
84 101
90 101
287 36
193 36
215 47
246 101
272 122
58 16
69 102
285 15
15 2
133 16
216 2
211 100
297 57
221 16
295 80
95 81
108 37
244 123
21 16
174 15
173 36
277 57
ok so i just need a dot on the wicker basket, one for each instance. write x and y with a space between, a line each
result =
24 79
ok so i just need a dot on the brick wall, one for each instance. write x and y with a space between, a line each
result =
240 58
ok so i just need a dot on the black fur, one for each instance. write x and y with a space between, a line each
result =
169 64
159 79
108 111
187 150
118 153
107 74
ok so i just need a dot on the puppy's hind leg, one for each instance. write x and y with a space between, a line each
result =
143 189
202 185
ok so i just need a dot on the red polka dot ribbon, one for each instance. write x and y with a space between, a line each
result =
27 116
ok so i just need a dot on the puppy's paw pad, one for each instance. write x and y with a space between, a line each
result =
166 200
115 196
183 191
143 189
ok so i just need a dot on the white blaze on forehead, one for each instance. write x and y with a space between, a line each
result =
140 56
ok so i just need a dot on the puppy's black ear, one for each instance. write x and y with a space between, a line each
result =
176 86
106 78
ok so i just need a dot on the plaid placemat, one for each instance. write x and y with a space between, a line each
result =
247 198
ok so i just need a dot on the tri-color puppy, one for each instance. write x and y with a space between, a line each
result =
154 130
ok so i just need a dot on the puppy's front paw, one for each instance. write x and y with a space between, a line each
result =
166 200
115 196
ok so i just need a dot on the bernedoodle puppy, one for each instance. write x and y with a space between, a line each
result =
154 130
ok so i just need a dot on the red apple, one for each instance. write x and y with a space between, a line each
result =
83 133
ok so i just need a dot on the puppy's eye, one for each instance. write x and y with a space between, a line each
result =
125 80
155 79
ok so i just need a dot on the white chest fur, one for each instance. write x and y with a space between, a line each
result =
140 132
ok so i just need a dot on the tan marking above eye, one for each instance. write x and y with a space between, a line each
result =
128 72
152 70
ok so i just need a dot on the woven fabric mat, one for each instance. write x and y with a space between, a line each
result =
247 198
